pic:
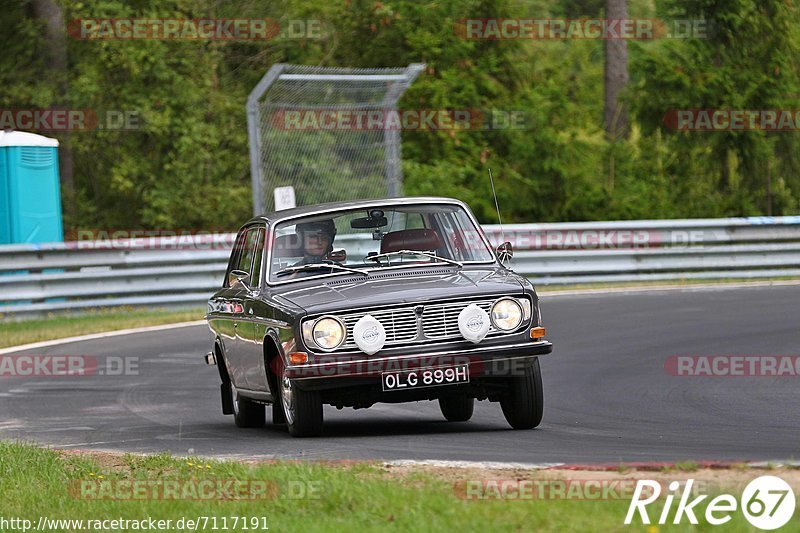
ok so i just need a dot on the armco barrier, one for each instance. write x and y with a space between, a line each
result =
36 279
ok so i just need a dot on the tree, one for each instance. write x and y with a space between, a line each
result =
51 16
616 75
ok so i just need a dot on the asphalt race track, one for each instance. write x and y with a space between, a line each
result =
608 397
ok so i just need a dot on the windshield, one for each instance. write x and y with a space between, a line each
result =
372 238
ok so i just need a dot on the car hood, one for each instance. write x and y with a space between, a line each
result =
402 287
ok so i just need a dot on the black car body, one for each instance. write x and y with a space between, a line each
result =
415 306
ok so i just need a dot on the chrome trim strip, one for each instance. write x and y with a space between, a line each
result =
246 318
417 356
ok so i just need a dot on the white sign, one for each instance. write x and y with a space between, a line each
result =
284 198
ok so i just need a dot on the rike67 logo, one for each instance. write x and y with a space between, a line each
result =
767 502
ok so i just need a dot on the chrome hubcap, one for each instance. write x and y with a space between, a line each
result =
235 396
287 398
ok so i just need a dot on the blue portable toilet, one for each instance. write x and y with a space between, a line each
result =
30 196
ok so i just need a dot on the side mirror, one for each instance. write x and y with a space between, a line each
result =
340 256
504 253
239 276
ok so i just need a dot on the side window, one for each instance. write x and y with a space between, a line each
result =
443 222
245 263
249 246
255 275
414 221
236 255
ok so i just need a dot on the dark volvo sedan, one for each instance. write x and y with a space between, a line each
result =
353 303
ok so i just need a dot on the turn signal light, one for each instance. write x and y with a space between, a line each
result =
298 358
538 333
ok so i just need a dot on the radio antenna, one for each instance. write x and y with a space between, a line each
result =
497 207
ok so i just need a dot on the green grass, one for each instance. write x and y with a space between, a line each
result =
350 497
682 466
14 333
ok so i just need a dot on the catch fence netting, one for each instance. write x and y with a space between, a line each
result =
314 129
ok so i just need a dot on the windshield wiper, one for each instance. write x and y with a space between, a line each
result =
318 266
432 255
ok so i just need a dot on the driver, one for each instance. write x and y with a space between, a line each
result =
317 238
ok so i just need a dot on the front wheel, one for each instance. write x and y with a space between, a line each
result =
524 402
301 409
246 414
457 408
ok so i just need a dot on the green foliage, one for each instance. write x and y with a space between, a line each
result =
187 164
748 62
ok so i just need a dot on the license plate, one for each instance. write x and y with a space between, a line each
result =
425 377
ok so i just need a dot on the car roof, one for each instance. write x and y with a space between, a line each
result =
352 204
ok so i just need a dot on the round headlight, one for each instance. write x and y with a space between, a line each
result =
506 314
328 333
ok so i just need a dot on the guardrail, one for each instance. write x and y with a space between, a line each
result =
37 279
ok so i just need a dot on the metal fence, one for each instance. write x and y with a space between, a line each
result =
314 129
37 279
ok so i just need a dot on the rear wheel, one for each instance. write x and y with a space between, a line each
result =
457 408
523 404
302 410
246 413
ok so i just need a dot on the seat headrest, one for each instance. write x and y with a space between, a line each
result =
411 239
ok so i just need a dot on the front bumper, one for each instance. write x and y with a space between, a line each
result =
491 360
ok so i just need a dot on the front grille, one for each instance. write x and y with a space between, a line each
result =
439 322
400 325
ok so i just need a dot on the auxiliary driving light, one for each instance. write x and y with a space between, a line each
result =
369 334
473 323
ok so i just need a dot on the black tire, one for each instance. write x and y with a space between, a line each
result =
523 404
457 408
247 414
302 409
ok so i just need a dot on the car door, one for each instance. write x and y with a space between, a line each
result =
221 310
250 333
236 296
